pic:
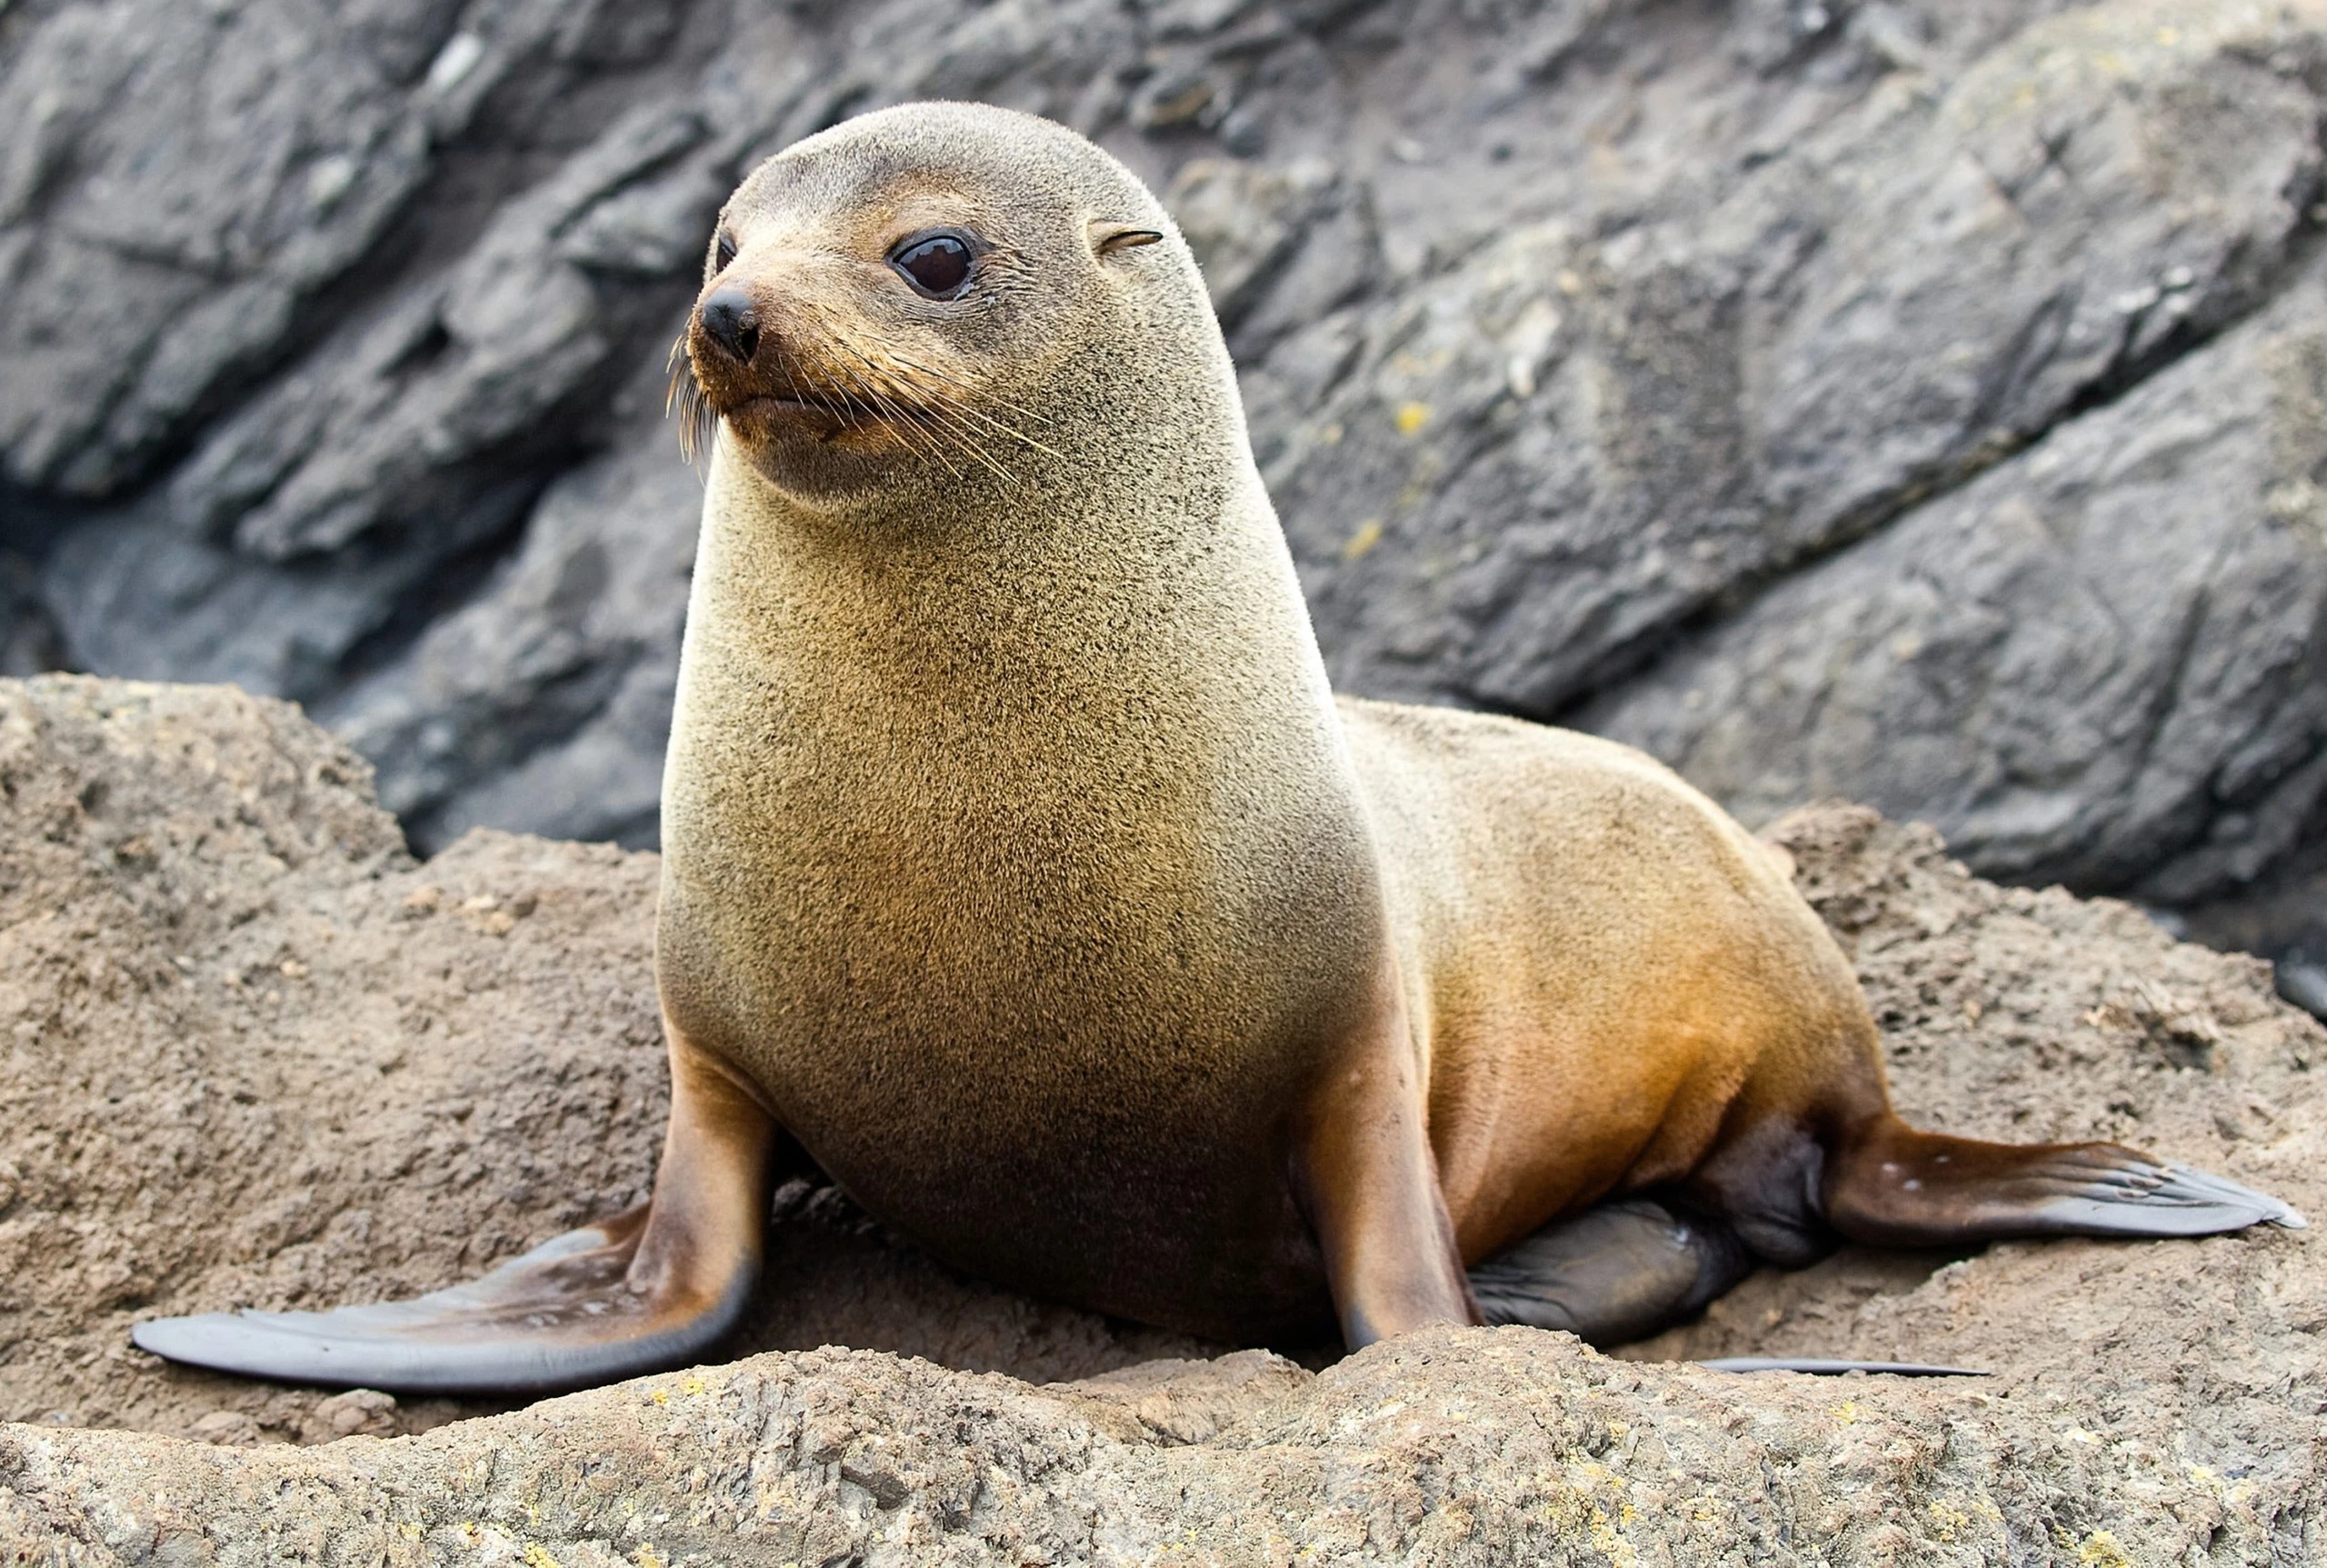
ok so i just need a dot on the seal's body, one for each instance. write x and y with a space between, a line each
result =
1590 1029
1022 872
955 870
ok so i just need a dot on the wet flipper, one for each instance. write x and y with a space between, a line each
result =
651 1288
1895 1186
1619 1271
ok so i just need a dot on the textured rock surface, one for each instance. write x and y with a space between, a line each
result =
256 1055
1481 1446
1587 343
2110 643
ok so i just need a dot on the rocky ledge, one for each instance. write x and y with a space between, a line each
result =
258 1054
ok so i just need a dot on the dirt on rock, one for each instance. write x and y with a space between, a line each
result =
258 1055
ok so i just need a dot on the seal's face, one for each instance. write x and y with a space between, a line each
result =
893 299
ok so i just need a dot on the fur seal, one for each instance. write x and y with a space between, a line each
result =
1022 872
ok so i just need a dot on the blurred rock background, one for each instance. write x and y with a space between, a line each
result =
1922 401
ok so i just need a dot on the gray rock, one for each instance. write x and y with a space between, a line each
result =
28 641
1568 328
369 490
2304 982
180 181
382 425
1544 459
546 698
2104 662
2283 917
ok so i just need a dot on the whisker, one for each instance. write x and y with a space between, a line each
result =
964 439
947 422
925 419
792 381
955 382
937 427
899 420
698 425
940 400
1002 427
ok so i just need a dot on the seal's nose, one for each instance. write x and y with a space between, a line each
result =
731 321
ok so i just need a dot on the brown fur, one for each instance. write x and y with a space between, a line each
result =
971 859
1612 978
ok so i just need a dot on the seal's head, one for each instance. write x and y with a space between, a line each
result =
941 294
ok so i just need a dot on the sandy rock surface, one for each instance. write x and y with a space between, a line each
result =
256 1055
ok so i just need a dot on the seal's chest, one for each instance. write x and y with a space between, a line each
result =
1066 1169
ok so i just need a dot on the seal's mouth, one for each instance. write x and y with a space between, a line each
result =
773 398
842 395
834 408
822 415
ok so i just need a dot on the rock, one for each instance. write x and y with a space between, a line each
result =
1279 247
232 995
546 698
358 1411
2303 981
1568 328
383 429
2100 663
231 1428
1600 422
2283 919
1475 1446
28 641
206 174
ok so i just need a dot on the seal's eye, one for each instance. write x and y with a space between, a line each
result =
726 250
939 265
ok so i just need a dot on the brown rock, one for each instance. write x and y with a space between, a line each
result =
434 1097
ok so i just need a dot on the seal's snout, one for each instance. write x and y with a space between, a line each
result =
730 321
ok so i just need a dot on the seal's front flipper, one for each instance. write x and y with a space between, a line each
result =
1617 1273
1893 1185
651 1288
560 1316
1366 1175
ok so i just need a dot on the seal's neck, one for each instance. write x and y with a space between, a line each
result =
1161 596
1085 743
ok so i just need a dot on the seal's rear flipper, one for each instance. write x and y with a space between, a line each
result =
651 1288
1893 1185
1615 1273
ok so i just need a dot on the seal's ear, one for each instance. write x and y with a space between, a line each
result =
1107 238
